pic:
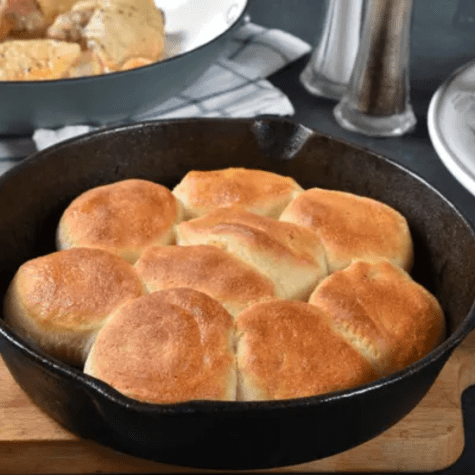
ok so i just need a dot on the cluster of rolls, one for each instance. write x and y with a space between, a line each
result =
235 285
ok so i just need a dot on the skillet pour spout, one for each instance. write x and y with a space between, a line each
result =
230 435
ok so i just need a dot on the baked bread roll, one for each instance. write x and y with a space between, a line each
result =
231 282
169 346
261 192
124 217
291 256
287 349
352 227
384 314
220 319
60 301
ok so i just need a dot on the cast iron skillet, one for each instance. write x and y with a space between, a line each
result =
224 435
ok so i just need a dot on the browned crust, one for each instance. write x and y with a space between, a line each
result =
392 320
65 297
258 191
168 346
352 227
264 234
290 255
123 217
208 269
287 349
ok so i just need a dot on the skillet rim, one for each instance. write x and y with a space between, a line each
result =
93 385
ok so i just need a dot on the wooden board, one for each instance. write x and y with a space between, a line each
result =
430 438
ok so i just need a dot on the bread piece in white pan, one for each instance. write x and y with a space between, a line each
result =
352 227
382 312
291 256
209 269
123 217
168 346
259 191
60 301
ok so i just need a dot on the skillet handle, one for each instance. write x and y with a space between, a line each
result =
463 361
279 138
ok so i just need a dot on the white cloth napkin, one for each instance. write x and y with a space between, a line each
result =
234 86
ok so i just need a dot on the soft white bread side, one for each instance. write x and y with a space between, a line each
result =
352 227
123 217
60 301
291 256
384 314
233 283
168 346
287 349
261 192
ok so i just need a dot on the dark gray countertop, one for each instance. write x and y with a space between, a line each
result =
438 47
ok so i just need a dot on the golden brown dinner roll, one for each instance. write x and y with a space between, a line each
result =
168 346
291 256
123 217
261 192
392 320
287 349
61 300
352 227
208 269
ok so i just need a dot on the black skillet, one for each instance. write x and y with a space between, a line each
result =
224 435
